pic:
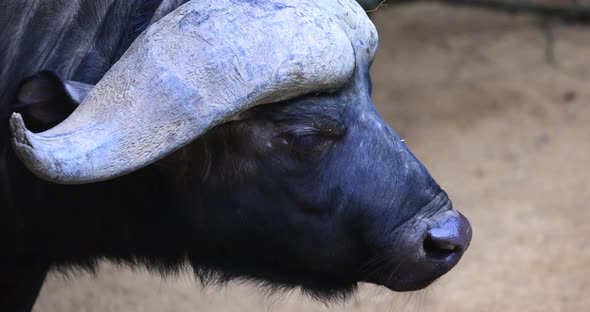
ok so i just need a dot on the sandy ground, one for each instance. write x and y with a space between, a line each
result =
506 133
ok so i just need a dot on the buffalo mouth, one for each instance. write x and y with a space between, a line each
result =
426 248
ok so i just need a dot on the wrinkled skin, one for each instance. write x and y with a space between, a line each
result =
317 192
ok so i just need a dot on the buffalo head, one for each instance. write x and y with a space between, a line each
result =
285 172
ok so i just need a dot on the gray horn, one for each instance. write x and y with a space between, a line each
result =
193 69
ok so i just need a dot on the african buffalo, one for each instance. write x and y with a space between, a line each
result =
235 136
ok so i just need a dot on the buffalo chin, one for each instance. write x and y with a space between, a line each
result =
400 284
411 286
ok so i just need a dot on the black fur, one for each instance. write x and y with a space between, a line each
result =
297 194
79 40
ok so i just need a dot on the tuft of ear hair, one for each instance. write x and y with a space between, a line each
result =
46 99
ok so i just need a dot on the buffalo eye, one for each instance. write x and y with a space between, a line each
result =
308 143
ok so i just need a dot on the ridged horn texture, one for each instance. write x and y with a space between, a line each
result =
193 69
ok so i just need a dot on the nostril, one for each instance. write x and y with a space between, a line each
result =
439 248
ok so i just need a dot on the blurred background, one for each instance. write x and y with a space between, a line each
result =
497 107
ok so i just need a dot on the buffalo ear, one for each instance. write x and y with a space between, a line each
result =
46 99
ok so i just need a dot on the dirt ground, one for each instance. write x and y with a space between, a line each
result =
503 130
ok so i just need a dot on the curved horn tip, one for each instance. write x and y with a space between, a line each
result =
24 148
18 129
